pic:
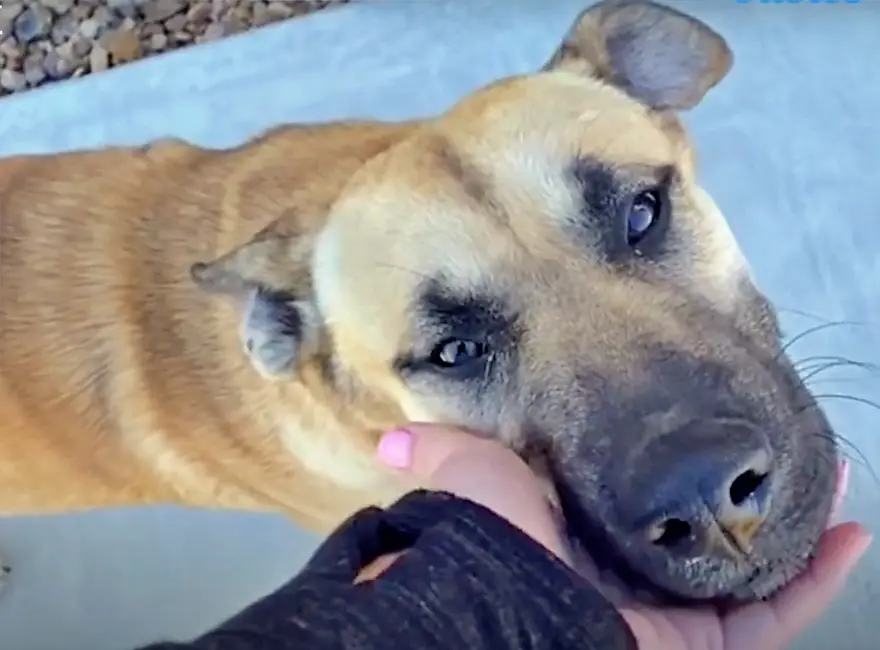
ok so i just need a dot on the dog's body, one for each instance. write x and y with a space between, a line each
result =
112 395
468 269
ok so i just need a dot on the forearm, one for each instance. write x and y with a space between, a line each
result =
468 580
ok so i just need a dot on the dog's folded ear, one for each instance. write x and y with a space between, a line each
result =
659 56
269 278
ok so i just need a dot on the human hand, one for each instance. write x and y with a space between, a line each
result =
483 471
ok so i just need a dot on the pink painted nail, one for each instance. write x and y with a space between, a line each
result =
840 488
395 449
843 478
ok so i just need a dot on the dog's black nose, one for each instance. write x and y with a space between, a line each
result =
712 503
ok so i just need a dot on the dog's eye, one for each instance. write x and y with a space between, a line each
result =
644 214
454 353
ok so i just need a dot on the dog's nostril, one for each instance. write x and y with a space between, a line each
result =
745 485
670 532
712 504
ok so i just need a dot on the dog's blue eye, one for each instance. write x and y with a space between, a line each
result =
457 352
644 213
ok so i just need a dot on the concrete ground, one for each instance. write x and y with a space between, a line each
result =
790 146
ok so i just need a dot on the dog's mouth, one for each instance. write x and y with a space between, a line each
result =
620 584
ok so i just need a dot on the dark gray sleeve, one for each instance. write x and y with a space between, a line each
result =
469 580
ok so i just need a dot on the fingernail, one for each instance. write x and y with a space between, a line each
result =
843 477
395 449
839 490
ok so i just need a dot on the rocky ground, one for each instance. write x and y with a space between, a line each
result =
44 41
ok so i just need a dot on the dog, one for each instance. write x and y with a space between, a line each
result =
235 328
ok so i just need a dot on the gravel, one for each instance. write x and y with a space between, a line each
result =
45 41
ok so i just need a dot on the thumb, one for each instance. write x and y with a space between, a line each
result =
476 468
424 449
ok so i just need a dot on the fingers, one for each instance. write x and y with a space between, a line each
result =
839 551
788 614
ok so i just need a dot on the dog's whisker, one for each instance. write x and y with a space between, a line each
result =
818 368
815 330
850 398
850 451
799 364
805 314
845 447
836 380
840 440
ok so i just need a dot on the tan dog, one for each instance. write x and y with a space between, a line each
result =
539 263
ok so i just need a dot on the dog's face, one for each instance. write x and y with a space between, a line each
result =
540 263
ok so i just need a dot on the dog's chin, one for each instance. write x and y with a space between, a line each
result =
770 577
622 584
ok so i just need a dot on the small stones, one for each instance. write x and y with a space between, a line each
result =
58 7
214 32
12 80
123 46
43 41
9 11
260 14
158 42
32 24
123 5
76 49
12 51
233 24
279 10
106 18
64 28
90 28
59 64
33 70
176 23
81 11
99 58
161 10
127 8
199 14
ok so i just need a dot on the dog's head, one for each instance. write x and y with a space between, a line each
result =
541 263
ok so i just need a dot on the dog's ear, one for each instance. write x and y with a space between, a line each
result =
269 277
659 56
